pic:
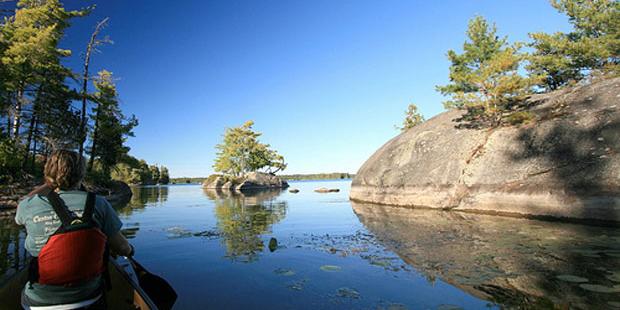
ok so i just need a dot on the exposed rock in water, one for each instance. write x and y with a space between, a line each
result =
116 192
249 182
326 190
517 263
564 164
293 190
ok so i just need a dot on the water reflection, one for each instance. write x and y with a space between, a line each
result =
143 197
13 255
243 217
513 262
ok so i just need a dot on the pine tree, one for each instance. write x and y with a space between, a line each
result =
484 79
31 37
412 118
155 174
240 152
164 176
593 45
111 127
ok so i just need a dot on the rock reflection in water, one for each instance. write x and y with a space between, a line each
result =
13 255
510 261
243 217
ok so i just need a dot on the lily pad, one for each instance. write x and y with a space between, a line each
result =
572 278
178 232
395 306
347 292
380 263
297 285
600 288
331 268
284 272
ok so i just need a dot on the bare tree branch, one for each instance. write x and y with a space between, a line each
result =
89 48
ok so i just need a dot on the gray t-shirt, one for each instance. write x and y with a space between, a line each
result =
37 214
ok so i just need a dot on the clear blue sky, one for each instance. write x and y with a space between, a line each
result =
324 81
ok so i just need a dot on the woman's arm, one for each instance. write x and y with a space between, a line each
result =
119 245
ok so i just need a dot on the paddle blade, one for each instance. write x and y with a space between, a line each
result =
159 290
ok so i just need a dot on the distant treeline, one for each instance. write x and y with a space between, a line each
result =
289 177
185 180
318 176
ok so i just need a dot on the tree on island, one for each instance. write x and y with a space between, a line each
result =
241 152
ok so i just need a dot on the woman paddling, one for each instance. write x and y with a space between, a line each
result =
69 232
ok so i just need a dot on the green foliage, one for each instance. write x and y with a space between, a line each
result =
412 118
484 79
164 176
111 127
10 159
154 170
521 117
593 45
242 225
136 171
35 94
240 152
126 173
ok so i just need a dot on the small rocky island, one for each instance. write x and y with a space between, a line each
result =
563 164
249 182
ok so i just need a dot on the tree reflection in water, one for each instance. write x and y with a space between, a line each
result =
143 197
243 217
13 255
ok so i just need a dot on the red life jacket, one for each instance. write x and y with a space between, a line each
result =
76 252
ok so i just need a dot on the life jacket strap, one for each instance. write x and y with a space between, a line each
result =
89 208
61 210
65 215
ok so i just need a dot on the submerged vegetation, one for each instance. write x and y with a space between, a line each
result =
45 105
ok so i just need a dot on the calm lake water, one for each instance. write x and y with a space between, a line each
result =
278 250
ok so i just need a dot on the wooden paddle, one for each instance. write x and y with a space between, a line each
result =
158 289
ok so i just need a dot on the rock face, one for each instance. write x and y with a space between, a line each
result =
116 193
251 181
564 164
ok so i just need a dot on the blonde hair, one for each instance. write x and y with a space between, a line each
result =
64 169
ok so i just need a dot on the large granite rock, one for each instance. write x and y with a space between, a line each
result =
251 181
564 164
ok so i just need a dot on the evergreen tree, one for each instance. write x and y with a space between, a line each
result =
594 43
484 79
154 173
31 37
240 152
412 118
111 127
164 176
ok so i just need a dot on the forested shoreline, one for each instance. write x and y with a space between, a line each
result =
45 105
